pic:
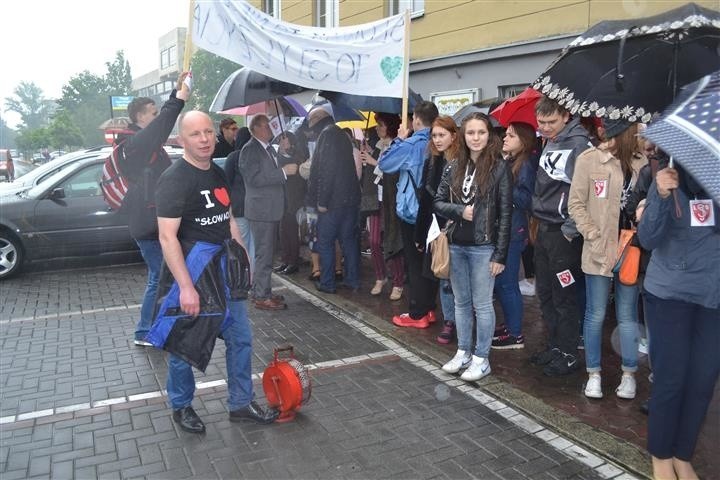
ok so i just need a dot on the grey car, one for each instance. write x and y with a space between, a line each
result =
64 215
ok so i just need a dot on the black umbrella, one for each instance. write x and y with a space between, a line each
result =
246 87
633 68
367 103
690 131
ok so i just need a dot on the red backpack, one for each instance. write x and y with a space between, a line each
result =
113 183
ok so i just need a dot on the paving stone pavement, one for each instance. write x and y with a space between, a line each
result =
78 400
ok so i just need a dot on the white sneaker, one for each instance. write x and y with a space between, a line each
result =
479 368
527 288
142 343
461 360
593 387
627 387
643 346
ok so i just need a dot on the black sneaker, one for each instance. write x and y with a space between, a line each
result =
581 343
500 331
543 357
507 342
564 364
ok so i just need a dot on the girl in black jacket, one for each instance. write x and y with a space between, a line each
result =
475 194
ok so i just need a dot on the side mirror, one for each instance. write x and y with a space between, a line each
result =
57 193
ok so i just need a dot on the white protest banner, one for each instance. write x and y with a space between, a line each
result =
365 59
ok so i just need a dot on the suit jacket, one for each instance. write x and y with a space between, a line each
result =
264 183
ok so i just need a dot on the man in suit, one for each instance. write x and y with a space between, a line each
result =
264 206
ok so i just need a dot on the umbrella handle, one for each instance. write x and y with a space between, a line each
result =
620 77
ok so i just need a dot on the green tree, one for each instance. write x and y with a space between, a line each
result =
30 103
63 133
209 72
85 101
30 140
119 76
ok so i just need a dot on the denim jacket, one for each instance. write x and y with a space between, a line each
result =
685 261
407 157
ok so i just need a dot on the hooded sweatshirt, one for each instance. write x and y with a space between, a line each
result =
552 186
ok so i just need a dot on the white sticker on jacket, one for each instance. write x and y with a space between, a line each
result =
702 213
601 188
554 162
565 278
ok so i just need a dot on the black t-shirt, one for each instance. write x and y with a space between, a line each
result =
201 198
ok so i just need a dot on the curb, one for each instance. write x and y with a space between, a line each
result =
619 451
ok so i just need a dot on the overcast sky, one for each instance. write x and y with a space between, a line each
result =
49 41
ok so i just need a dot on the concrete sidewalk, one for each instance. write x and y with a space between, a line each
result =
78 400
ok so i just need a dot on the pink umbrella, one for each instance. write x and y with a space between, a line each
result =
288 105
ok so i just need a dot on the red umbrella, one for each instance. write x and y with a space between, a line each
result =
520 108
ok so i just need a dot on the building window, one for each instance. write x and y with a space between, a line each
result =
326 13
507 91
417 7
168 57
272 8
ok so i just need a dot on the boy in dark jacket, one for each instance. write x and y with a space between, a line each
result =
143 161
558 247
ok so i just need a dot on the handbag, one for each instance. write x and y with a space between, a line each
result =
628 264
440 248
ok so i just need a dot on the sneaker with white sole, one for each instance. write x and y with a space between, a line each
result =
479 368
627 387
142 343
461 360
593 387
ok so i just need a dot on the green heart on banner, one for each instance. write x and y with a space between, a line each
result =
391 67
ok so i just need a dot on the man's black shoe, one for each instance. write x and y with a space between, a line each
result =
320 288
188 420
254 413
289 270
544 357
280 268
564 364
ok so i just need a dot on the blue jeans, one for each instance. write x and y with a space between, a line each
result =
686 364
238 356
473 286
248 239
626 297
153 257
339 224
508 290
447 300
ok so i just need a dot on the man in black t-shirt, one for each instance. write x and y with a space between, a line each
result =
193 205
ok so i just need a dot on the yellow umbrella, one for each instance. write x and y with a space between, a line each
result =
368 122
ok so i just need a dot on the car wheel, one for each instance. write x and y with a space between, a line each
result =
11 254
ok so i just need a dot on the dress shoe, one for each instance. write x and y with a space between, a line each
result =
254 413
320 288
269 304
188 420
289 270
280 267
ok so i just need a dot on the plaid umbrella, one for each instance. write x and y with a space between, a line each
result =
690 131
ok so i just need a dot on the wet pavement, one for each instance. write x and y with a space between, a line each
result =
78 400
611 426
